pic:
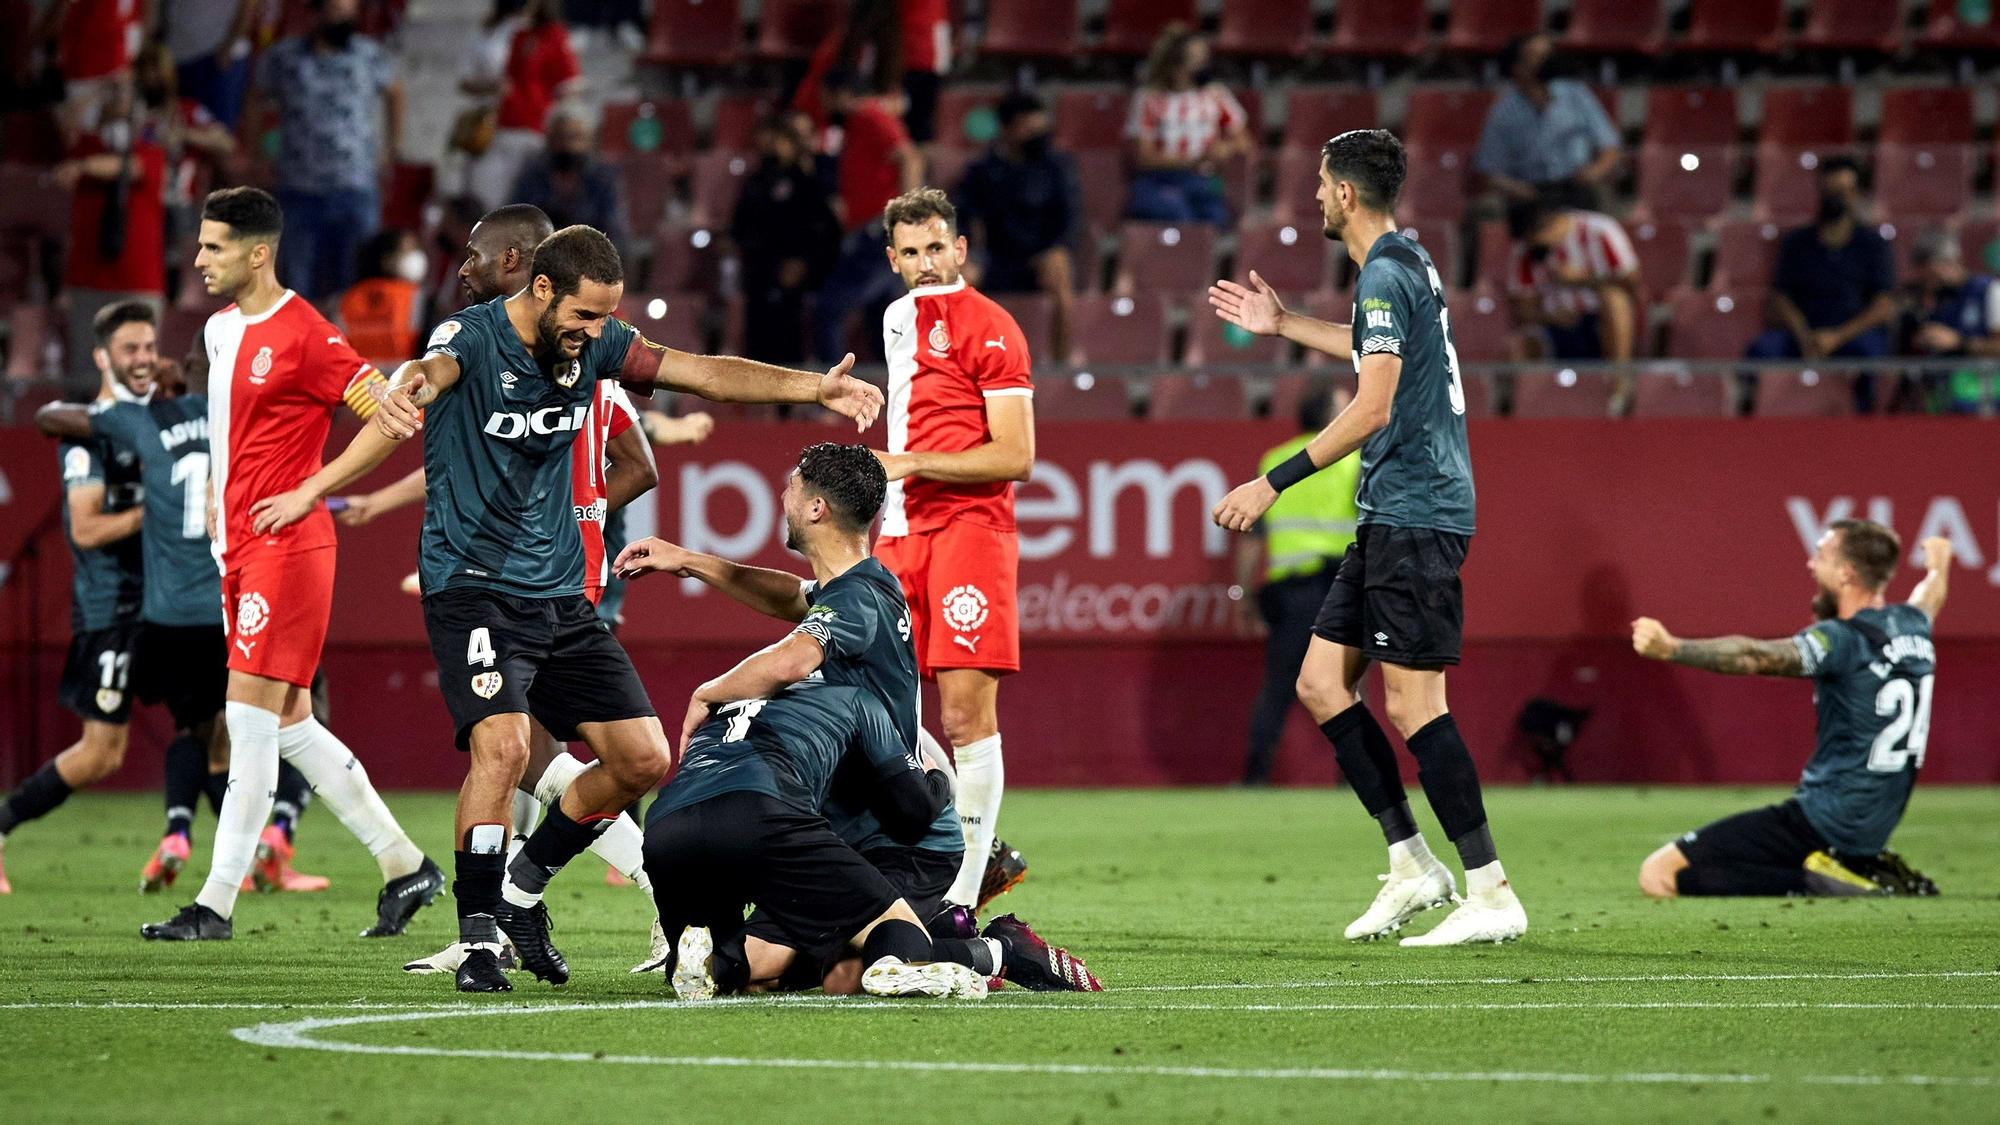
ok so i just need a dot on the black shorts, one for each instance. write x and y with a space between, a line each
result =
921 877
710 860
96 675
1396 597
185 667
498 654
1774 836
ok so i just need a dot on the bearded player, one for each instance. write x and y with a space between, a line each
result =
961 432
277 373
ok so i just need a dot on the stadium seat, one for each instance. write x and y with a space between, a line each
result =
1288 391
1131 26
1873 26
1787 183
1197 395
1694 116
1101 182
736 119
694 33
945 166
1035 313
1922 182
1746 252
1615 27
1380 28
406 191
1682 394
1979 242
1446 117
955 103
180 328
1804 394
1265 29
1933 115
1119 330
646 180
1734 26
1165 257
1041 29
1561 394
1091 119
1482 326
1685 181
1436 180
1485 27
793 29
1314 114
713 185
1292 257
1082 397
1945 28
1806 116
1238 175
686 259
1713 324
1496 256
664 126
1662 246
673 319
1295 186
32 202
1214 342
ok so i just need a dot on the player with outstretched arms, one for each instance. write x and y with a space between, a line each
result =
1396 599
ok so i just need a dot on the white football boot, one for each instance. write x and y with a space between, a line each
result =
1492 916
892 976
693 977
1401 899
663 950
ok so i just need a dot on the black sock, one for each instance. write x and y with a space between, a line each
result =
186 770
729 968
1740 879
35 797
976 954
552 844
1451 784
293 796
906 941
216 785
476 887
1368 762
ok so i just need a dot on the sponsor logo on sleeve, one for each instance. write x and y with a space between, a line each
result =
443 334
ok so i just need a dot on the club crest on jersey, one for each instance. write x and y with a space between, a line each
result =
260 366
486 685
568 372
252 614
108 699
940 340
965 608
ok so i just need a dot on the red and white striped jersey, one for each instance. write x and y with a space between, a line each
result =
274 381
611 414
1184 123
950 348
1596 247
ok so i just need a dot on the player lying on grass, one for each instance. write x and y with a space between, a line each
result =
1872 666
741 823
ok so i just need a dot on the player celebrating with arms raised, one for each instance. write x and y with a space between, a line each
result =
1396 599
961 432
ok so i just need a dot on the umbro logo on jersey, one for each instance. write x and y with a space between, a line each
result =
507 380
508 425
1381 638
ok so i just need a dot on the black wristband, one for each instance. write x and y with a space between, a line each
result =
1291 470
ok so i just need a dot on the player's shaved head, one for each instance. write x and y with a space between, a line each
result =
517 226
500 251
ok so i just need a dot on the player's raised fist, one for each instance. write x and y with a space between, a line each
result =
650 554
1937 553
1650 639
1255 309
843 394
1245 505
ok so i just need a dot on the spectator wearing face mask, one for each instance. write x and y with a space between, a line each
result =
1020 202
569 185
382 312
1546 137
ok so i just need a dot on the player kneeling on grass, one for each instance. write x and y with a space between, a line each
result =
740 823
1872 666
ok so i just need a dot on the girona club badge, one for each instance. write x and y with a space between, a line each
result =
260 366
252 614
940 340
965 609
486 685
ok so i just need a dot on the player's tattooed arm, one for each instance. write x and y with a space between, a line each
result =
1929 594
64 420
1735 656
415 385
774 593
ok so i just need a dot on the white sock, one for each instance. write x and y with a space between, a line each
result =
527 814
562 770
341 782
1485 882
253 786
981 780
1411 857
623 846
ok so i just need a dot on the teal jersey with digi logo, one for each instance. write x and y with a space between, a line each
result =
498 509
169 438
106 582
1872 675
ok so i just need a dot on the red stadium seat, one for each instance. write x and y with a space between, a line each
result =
181 328
1120 330
1101 182
1315 114
1214 342
1265 29
1035 313
793 29
1288 391
1091 119
713 185
694 33
736 119
1436 180
1922 181
1682 394
1482 326
1662 245
955 104
1926 115
1746 253
646 180
1496 255
1082 397
1198 395
1804 394
1691 115
1712 324
1382 28
1873 26
1946 28
1165 257
686 258
1296 185
664 126
1561 394
1046 29
1788 182
1131 26
1979 242
1734 26
673 319
1446 116
407 189
1685 181
945 166
1292 257
1484 27
1805 116
1614 27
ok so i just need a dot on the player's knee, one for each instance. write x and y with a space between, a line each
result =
103 753
1323 695
503 751
638 771
964 723
844 979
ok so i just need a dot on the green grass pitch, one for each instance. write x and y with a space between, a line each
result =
1214 918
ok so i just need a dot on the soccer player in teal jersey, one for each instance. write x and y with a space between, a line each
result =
1872 665
1396 599
499 396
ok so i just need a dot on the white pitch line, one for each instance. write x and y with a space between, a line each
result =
1662 978
299 1035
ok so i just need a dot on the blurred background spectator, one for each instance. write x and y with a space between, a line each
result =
1574 284
1183 125
787 237
210 41
878 162
95 42
1021 208
116 172
539 71
569 183
926 59
199 148
1957 313
1546 137
383 311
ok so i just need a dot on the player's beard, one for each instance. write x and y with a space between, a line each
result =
1824 605
137 379
1333 227
548 340
793 539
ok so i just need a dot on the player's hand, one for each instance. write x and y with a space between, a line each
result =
400 417
358 510
688 429
650 554
281 511
1651 640
697 714
1245 505
208 517
1937 553
843 394
1256 310
895 466
413 584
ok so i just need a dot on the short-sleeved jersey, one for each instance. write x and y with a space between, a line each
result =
950 348
786 747
1417 470
274 381
1596 247
500 507
611 414
106 582
169 439
1872 675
